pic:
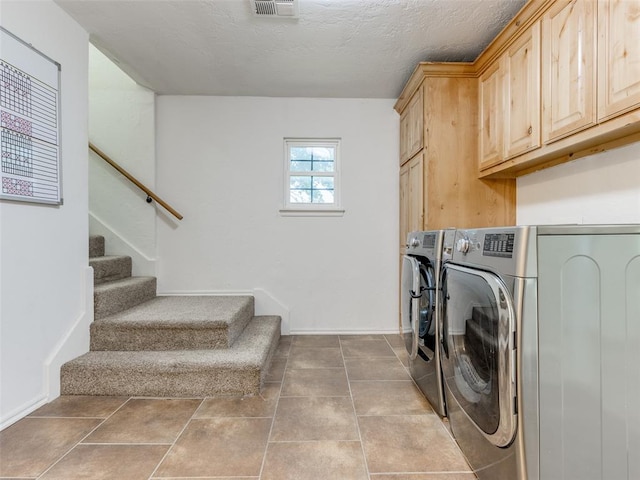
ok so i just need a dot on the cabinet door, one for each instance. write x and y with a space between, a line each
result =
404 136
416 123
568 68
404 205
618 57
411 197
416 197
522 87
491 110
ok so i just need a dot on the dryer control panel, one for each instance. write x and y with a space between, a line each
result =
498 245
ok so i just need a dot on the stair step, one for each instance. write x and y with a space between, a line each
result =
116 296
109 268
96 246
238 370
175 323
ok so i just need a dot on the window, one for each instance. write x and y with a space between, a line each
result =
312 176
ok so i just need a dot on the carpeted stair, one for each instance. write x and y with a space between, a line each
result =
173 346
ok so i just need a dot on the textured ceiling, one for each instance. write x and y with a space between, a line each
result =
336 48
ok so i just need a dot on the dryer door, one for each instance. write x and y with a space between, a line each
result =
409 304
425 312
418 307
478 350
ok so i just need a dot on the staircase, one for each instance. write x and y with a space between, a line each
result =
172 346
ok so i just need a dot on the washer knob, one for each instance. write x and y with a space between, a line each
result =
415 242
463 245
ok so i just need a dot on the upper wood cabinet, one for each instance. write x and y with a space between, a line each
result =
416 123
491 110
509 101
404 137
412 128
568 68
619 57
570 73
439 185
522 88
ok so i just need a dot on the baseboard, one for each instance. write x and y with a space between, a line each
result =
116 244
74 343
265 303
344 332
22 411
205 293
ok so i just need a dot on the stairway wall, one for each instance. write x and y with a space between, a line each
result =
116 244
43 269
122 124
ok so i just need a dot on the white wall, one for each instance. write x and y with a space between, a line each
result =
43 270
122 124
602 188
220 160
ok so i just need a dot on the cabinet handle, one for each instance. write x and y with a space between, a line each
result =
530 131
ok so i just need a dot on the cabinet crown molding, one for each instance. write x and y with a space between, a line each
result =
530 12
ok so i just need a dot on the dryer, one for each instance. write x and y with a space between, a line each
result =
419 312
539 352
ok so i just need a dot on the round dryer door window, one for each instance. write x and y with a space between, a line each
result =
478 330
426 309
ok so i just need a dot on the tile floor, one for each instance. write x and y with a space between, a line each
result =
334 407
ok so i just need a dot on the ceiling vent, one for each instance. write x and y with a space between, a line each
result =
275 8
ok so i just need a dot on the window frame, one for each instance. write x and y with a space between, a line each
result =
311 209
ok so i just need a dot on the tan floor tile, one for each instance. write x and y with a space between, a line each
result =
427 476
30 446
270 391
218 447
108 462
402 355
315 341
388 398
329 382
276 369
146 420
390 445
314 418
80 406
315 357
314 461
263 405
366 348
381 368
204 478
395 340
283 347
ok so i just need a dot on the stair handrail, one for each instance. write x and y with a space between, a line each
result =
135 181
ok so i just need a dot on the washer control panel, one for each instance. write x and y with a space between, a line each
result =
424 242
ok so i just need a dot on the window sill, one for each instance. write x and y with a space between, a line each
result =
309 212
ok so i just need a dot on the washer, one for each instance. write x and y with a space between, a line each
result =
539 352
419 312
